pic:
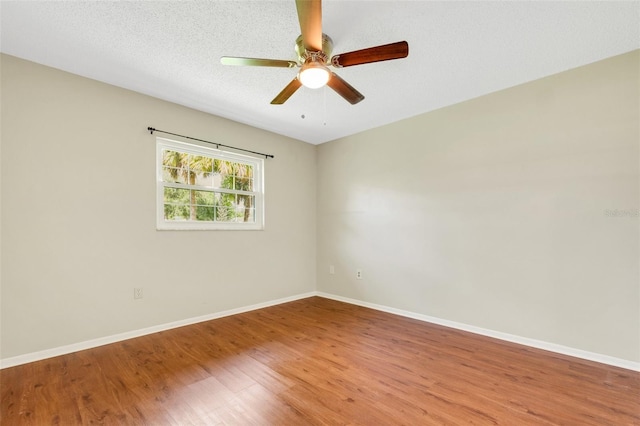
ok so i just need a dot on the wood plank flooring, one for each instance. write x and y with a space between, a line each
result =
317 362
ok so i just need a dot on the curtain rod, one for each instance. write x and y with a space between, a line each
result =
218 145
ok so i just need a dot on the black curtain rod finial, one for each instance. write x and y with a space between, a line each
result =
151 129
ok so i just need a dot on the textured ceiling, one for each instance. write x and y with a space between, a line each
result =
457 51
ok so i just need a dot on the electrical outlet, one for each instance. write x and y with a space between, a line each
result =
358 274
332 269
137 293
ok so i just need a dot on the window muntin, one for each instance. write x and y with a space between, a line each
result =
204 188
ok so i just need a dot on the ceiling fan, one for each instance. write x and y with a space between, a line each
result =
314 48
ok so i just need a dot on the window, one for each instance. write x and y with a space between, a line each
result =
205 188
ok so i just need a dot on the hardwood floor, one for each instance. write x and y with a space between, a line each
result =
313 362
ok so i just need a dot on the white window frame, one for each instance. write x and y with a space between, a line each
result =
258 182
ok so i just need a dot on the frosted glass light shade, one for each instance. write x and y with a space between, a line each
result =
314 75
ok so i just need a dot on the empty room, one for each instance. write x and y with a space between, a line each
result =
305 212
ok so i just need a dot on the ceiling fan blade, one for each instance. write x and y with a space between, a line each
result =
310 17
256 62
372 54
344 89
287 92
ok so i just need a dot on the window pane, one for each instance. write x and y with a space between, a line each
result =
180 167
201 164
249 215
176 212
205 213
244 184
246 211
246 201
228 199
242 177
224 167
225 214
176 204
201 167
245 215
216 180
172 158
204 198
176 195
227 181
204 179
172 174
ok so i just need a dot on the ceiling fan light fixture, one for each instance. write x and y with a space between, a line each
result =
313 50
314 74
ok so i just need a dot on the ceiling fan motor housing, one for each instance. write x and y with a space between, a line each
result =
304 54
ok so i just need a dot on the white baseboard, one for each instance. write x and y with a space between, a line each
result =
552 347
75 347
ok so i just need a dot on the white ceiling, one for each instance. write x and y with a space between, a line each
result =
457 51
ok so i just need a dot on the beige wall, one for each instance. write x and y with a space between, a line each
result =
78 216
496 212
